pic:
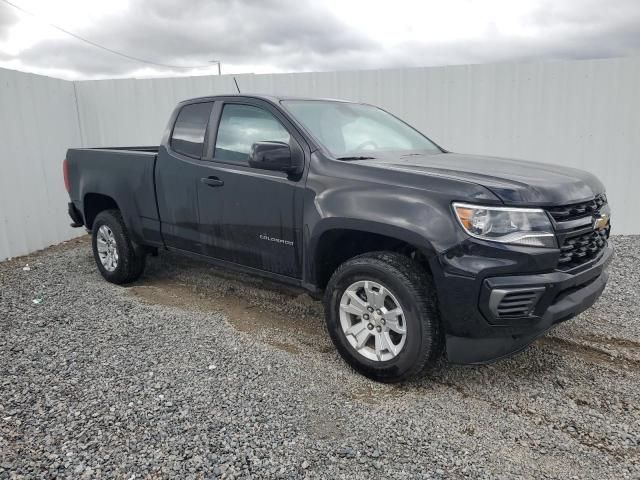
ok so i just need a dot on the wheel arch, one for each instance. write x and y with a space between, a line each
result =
94 203
338 241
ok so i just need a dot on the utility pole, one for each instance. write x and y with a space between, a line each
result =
218 62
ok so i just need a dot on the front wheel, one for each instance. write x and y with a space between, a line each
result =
115 254
382 316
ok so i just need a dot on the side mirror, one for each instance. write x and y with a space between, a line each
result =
274 156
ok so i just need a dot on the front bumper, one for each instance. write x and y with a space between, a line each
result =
478 335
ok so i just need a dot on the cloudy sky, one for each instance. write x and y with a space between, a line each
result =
305 35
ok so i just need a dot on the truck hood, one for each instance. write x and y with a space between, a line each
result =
513 181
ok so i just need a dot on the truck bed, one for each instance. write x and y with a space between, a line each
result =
124 174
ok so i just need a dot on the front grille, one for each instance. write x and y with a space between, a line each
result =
577 210
579 249
518 302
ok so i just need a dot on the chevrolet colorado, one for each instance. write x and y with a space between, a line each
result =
417 251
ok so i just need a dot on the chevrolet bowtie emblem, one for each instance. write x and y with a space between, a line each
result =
601 222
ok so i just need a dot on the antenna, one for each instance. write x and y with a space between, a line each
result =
236 82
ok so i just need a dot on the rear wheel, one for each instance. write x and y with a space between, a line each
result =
382 316
115 254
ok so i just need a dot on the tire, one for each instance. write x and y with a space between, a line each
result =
129 263
404 282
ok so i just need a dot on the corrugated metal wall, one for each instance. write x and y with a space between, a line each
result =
38 122
584 114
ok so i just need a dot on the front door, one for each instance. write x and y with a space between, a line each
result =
249 216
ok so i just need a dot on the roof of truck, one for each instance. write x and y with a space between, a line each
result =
271 98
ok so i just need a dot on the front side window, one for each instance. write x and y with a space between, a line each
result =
351 128
243 125
189 130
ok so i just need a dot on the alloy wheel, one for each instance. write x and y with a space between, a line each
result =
373 320
107 248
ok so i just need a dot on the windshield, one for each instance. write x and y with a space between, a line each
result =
352 129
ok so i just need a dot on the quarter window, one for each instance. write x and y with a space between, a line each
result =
243 125
189 130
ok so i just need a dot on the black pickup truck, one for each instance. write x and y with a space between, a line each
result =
418 252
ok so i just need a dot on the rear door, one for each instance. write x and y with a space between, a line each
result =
250 216
179 168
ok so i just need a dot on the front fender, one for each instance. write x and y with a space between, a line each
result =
421 219
356 224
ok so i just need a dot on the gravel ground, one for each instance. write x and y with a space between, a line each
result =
195 373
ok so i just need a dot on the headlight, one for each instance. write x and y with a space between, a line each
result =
517 226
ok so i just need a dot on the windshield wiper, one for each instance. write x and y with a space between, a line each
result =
356 158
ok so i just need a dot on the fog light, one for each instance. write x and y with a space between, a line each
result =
514 302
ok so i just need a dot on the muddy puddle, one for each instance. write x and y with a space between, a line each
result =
376 394
290 328
624 353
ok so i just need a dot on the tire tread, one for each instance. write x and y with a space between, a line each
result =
133 263
421 288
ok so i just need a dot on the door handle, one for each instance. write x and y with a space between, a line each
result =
212 181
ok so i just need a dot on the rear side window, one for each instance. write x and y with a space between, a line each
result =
189 130
240 127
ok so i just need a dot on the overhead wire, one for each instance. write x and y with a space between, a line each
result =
102 47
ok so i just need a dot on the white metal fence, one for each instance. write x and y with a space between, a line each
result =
38 122
584 114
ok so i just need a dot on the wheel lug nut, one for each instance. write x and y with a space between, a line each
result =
365 316
379 328
379 312
370 326
370 309
382 321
